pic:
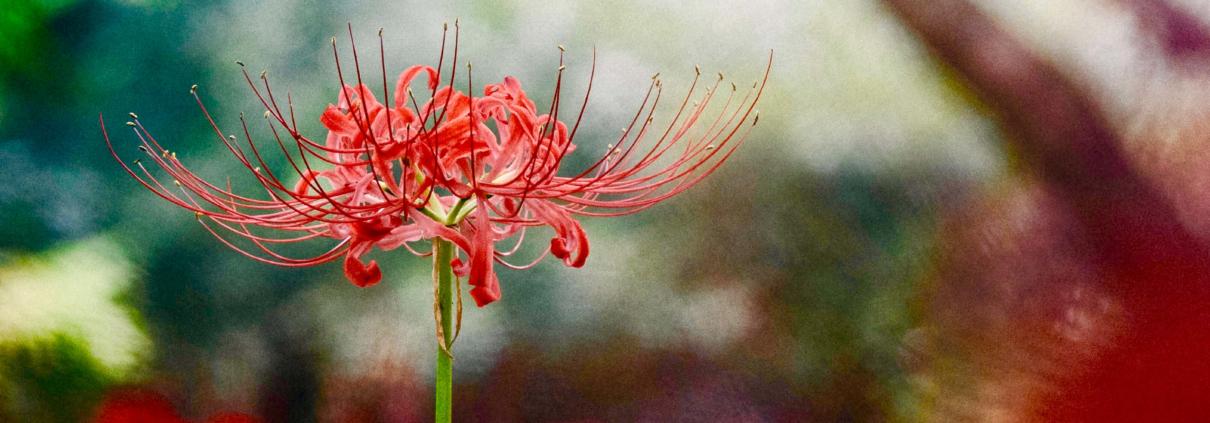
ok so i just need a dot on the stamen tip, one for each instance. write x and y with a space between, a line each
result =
709 147
697 69
131 124
241 64
720 76
561 48
379 31
561 67
656 76
193 89
266 114
134 116
263 73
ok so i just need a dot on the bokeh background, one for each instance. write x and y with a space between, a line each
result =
886 247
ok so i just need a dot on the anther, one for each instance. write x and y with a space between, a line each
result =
720 76
256 169
379 32
263 73
732 86
231 137
333 41
137 161
266 114
130 124
193 89
562 67
561 48
656 76
239 63
697 69
709 147
197 215
756 119
178 183
143 148
134 116
445 26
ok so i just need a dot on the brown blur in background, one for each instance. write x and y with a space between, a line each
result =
952 210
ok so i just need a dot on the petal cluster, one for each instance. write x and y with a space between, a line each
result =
478 169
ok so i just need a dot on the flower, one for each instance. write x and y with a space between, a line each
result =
409 171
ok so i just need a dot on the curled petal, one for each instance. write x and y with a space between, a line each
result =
337 121
482 276
570 242
361 274
461 269
405 79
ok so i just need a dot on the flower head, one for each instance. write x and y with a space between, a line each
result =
477 170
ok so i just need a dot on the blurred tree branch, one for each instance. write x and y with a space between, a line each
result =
1156 268
1181 35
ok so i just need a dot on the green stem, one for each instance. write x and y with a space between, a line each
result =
443 252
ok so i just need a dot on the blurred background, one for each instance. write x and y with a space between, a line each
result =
919 229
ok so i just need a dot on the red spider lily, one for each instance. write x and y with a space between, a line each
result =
510 178
410 171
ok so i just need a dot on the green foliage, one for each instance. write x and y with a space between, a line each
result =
50 380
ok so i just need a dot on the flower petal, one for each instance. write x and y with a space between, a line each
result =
362 275
570 242
482 276
405 79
